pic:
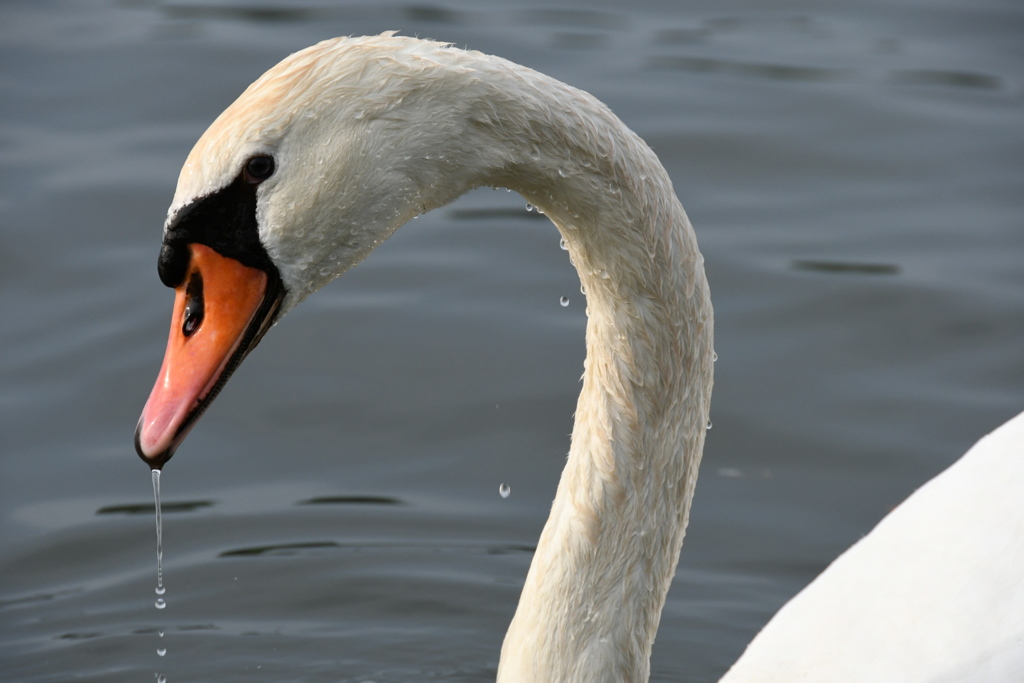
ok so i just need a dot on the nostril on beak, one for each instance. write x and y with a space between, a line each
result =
193 314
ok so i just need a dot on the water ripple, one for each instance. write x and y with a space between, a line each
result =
846 267
352 500
775 72
293 549
148 509
955 79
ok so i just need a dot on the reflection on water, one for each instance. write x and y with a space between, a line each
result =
854 177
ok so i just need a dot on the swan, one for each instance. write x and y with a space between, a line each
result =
340 144
329 152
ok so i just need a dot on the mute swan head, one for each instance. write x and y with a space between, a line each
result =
311 168
329 152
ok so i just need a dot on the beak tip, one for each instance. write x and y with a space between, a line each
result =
156 460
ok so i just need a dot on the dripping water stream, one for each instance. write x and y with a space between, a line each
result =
160 590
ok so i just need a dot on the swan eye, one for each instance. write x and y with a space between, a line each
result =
259 168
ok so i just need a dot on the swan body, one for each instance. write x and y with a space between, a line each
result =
934 594
329 152
333 149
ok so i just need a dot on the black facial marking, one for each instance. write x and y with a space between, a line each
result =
172 264
193 305
225 221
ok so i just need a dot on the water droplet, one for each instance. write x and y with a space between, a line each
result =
505 490
529 207
563 245
562 173
160 633
709 423
160 604
161 651
564 301
714 356
604 274
160 678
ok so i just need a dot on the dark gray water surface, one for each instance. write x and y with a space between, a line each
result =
855 172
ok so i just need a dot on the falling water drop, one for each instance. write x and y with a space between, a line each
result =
161 651
563 245
504 490
709 423
564 301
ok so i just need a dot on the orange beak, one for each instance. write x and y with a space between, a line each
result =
221 310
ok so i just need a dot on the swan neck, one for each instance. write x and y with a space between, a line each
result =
593 596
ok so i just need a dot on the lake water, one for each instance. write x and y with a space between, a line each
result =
855 173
